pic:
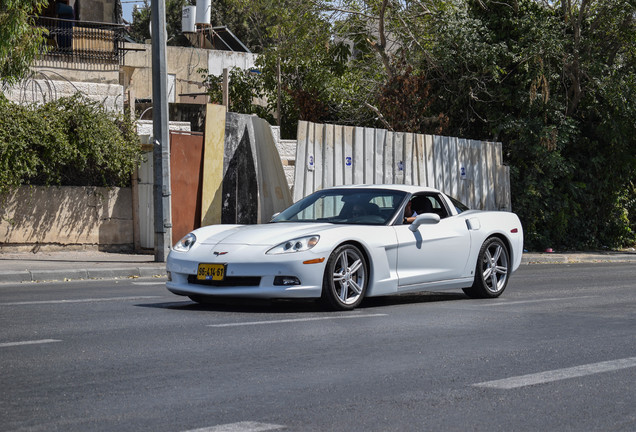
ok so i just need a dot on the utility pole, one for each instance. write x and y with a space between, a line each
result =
161 139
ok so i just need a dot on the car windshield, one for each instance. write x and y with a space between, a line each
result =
345 206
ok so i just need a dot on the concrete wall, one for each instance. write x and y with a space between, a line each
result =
183 65
332 155
38 91
66 217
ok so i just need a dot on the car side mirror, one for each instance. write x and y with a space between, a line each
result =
424 219
273 216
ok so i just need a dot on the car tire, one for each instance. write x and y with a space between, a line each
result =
346 278
492 270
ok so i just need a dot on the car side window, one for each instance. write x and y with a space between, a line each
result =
438 207
459 207
429 203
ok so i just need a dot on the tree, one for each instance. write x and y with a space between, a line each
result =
229 13
556 86
299 66
553 80
600 75
20 39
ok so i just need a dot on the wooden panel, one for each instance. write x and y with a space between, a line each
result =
186 169
93 40
398 157
326 148
353 155
301 166
380 165
348 163
368 135
214 138
317 149
359 160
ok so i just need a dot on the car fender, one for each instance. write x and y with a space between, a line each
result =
505 225
379 246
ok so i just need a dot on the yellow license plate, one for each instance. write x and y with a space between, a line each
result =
211 272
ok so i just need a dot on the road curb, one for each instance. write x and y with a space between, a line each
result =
15 276
79 274
152 271
549 258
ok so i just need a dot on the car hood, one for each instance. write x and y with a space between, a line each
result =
265 234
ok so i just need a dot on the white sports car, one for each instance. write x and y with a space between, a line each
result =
346 243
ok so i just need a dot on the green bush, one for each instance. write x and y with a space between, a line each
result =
71 141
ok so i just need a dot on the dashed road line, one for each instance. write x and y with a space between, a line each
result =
559 374
88 300
245 426
32 342
509 303
293 320
149 283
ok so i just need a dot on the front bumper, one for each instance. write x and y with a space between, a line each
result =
247 263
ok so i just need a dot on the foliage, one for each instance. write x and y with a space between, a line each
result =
298 74
558 91
251 29
249 21
404 102
555 81
69 142
245 87
20 39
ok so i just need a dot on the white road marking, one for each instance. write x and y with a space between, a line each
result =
88 300
246 426
559 374
291 320
149 283
506 303
33 342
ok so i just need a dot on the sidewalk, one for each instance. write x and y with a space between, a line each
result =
73 265
77 265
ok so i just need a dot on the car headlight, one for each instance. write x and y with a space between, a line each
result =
185 243
295 245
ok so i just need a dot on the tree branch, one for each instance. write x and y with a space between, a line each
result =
380 116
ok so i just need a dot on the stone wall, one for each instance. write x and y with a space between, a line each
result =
38 91
50 218
287 153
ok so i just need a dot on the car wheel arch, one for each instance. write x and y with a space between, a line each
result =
331 295
362 249
505 241
482 283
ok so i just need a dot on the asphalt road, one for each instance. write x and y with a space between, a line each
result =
556 352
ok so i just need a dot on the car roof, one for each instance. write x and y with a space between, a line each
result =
399 187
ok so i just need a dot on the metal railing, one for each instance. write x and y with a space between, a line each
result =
82 42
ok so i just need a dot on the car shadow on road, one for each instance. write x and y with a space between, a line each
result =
287 306
241 305
412 298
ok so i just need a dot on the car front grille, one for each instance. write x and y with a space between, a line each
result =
230 281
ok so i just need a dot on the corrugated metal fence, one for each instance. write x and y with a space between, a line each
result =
331 155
